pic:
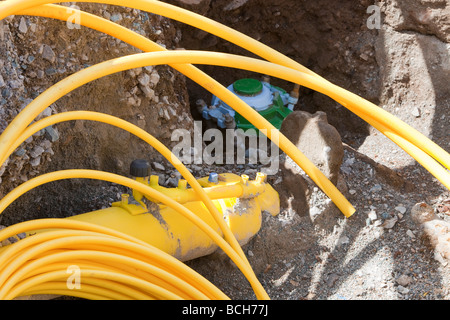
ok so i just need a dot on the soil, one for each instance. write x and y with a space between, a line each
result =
316 253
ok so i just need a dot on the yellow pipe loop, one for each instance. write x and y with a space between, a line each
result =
39 250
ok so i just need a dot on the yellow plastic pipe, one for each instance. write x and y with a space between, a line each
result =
160 277
198 57
74 236
89 20
133 129
89 292
294 153
119 241
236 190
255 47
133 184
60 262
154 58
159 292
10 7
145 44
131 37
88 115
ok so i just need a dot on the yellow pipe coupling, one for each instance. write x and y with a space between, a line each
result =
240 200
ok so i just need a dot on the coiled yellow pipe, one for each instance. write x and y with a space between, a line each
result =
81 241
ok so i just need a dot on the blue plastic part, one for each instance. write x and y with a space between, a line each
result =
213 177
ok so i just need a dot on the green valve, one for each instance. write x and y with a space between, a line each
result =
247 87
275 114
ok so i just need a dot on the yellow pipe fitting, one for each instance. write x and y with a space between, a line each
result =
165 229
182 184
124 199
261 177
138 196
154 180
244 179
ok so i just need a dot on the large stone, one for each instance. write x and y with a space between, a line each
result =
435 229
319 141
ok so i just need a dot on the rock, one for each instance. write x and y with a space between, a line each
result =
23 25
46 144
402 290
386 215
20 152
172 182
410 234
401 209
50 71
404 280
372 215
37 151
234 5
48 54
2 82
154 78
199 6
144 79
46 113
116 17
342 240
319 141
35 162
149 92
435 229
332 279
158 166
415 112
422 212
321 144
390 223
314 211
376 188
51 134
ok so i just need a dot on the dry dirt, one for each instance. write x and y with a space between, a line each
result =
404 67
